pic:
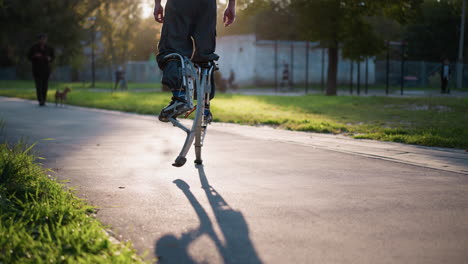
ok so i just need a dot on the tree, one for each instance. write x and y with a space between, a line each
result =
146 39
434 33
270 20
117 22
23 20
344 24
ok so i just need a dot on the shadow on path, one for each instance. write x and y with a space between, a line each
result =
237 246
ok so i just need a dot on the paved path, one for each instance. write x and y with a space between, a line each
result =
263 195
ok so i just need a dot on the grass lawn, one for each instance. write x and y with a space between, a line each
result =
78 85
43 222
432 121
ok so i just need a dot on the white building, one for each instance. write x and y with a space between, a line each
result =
255 62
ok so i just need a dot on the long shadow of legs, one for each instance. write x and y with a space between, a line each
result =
170 249
238 247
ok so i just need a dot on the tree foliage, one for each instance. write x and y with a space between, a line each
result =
348 22
266 19
435 32
345 24
116 21
121 32
146 39
356 28
23 20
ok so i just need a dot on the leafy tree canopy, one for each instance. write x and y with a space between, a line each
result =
435 32
23 20
347 23
121 33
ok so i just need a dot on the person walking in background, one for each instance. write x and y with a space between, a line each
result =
445 75
41 55
285 77
120 79
231 80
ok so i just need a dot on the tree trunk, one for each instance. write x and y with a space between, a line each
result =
332 70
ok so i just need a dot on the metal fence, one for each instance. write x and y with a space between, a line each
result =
414 74
409 74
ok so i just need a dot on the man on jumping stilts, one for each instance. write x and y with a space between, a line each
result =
189 29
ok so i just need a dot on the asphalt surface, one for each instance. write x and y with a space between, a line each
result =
262 196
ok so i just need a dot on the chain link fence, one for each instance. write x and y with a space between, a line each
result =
415 74
269 63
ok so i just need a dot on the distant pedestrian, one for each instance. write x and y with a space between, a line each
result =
231 80
285 78
120 79
445 73
41 55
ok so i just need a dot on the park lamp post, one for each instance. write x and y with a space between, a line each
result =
93 35
460 48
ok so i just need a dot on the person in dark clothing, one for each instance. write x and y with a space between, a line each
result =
445 73
120 79
41 55
285 78
189 29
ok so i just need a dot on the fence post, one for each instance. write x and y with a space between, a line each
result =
367 73
423 74
351 77
322 82
460 48
93 66
307 68
359 77
276 66
291 79
388 68
402 67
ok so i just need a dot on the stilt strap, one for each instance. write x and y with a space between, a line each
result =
175 98
190 112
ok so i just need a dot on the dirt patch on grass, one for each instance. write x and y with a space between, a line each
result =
419 107
438 108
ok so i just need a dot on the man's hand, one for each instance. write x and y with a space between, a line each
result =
158 12
230 13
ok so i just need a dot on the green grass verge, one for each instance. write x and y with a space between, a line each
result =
43 222
431 121
79 85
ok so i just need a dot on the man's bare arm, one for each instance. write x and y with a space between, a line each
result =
230 13
158 11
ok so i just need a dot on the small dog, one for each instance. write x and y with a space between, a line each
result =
61 96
